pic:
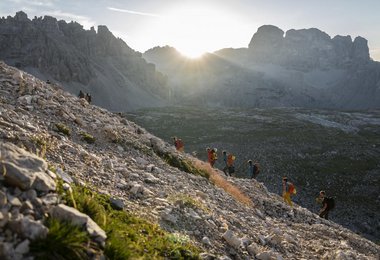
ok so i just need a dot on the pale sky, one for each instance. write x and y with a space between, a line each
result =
197 26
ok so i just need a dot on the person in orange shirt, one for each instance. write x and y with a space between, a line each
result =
230 163
212 156
209 155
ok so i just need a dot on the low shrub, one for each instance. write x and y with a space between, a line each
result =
61 128
87 137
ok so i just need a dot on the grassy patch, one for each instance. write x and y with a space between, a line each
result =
64 241
184 165
42 144
87 137
128 236
219 181
61 128
188 201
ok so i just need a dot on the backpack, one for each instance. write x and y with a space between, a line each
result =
291 188
180 143
330 202
257 170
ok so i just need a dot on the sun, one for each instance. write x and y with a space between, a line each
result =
192 52
194 29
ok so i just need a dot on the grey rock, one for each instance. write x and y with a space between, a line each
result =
231 239
4 217
3 199
50 199
30 194
6 251
26 205
28 228
149 178
253 249
168 216
14 201
137 188
25 170
64 176
23 247
117 204
75 217
206 241
207 256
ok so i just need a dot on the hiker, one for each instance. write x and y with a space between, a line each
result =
212 156
230 163
81 94
327 204
224 153
288 190
209 155
175 142
253 169
180 145
88 98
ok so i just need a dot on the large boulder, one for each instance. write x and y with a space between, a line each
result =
77 218
25 170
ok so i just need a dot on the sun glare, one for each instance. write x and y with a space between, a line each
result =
195 29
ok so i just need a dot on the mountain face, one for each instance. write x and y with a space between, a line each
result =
43 128
96 62
304 68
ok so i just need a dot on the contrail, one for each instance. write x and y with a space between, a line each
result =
132 12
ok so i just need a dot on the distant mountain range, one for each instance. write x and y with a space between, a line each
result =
304 68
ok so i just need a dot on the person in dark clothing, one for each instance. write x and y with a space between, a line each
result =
81 94
253 169
88 98
324 212
224 153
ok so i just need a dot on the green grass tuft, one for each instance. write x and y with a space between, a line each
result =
184 165
87 137
61 128
188 201
64 241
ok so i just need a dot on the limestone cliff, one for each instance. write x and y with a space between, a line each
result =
96 62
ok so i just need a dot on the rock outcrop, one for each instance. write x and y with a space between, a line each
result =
96 62
301 68
306 49
45 120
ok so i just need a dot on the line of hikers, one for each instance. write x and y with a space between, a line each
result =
85 96
327 203
288 188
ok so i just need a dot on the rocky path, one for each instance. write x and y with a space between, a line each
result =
94 147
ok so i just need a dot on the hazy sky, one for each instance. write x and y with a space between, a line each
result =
197 26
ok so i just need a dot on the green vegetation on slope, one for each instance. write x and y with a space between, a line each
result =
128 236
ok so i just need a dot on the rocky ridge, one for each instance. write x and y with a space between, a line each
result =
93 61
305 68
124 163
306 49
